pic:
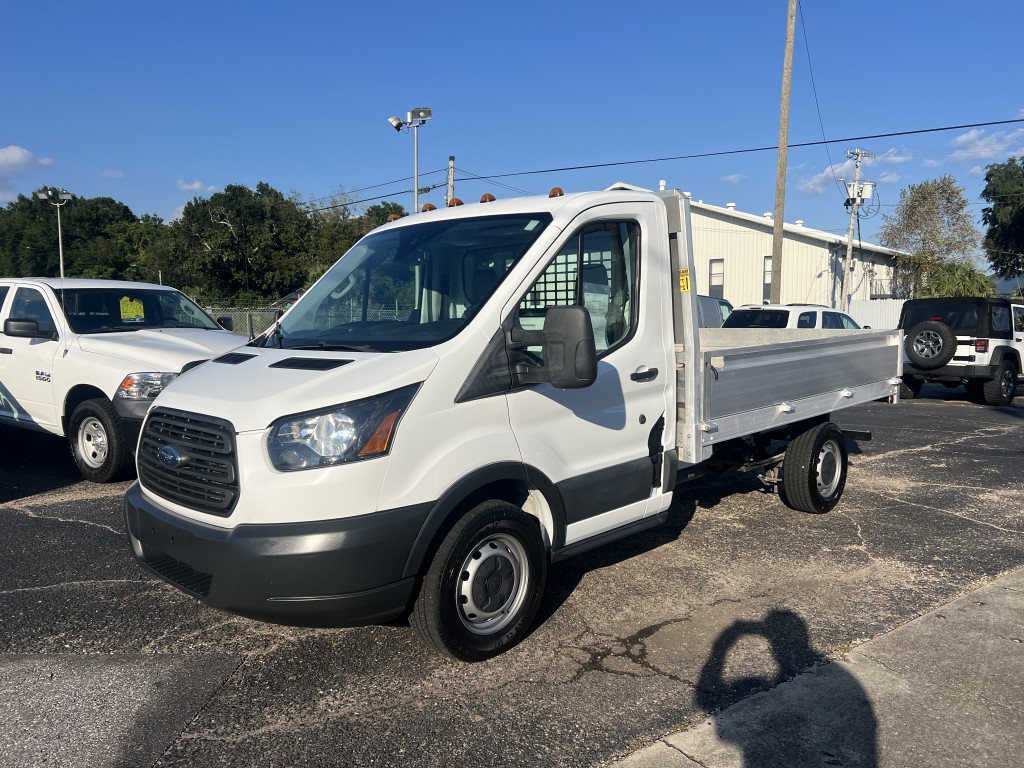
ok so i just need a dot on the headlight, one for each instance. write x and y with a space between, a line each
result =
144 386
350 432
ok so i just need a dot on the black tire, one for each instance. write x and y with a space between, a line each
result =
483 588
814 469
930 344
910 388
97 442
1002 389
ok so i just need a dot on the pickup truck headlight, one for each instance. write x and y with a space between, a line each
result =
144 386
351 432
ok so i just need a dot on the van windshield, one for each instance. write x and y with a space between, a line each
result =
409 287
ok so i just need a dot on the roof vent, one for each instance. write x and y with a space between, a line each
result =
731 206
767 214
799 222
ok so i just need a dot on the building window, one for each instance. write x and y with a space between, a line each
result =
716 278
766 291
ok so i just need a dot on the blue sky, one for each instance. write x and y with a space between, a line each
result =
155 102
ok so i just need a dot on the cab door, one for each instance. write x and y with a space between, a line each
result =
26 365
600 445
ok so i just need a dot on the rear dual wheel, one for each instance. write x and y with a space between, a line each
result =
814 469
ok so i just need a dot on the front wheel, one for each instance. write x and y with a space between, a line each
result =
484 585
814 469
97 443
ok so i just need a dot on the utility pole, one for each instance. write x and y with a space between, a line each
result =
451 179
780 169
855 196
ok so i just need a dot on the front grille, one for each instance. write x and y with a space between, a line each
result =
182 574
200 466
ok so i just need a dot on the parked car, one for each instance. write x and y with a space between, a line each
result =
974 342
712 311
789 316
85 358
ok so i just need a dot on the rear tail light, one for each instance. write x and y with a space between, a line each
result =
981 345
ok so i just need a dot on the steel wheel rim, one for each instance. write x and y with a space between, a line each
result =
828 469
927 343
492 584
92 442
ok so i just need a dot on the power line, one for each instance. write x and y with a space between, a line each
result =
750 150
694 156
814 91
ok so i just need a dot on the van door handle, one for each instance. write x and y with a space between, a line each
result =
647 374
6 351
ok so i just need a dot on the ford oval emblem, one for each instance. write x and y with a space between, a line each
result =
169 456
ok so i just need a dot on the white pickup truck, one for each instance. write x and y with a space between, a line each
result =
86 358
543 396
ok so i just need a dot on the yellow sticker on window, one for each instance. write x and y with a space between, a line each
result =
131 309
684 281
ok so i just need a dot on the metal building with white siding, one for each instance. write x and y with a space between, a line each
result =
733 251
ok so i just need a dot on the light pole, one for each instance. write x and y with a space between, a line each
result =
57 198
417 116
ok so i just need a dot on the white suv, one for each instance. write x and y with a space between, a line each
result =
972 341
789 316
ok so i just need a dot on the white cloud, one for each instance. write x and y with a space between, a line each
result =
976 171
889 178
178 213
889 157
931 163
816 185
975 145
16 162
112 174
195 186
733 178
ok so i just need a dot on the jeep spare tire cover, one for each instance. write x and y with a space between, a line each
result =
930 344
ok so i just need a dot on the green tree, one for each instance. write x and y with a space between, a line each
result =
28 237
932 226
1004 238
241 244
958 278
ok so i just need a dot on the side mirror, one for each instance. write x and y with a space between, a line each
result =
570 355
27 329
226 323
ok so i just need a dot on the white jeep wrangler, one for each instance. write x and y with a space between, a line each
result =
974 342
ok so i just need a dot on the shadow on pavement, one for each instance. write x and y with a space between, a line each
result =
831 723
33 462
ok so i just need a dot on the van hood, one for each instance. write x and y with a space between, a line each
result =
161 349
252 387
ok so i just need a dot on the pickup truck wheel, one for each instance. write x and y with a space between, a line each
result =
1001 390
814 469
97 443
484 585
930 344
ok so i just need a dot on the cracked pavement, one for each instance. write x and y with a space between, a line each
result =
103 665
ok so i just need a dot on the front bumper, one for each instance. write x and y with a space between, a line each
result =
343 572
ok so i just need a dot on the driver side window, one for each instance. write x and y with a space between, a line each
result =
29 304
596 268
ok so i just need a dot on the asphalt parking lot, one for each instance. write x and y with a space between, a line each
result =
103 665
